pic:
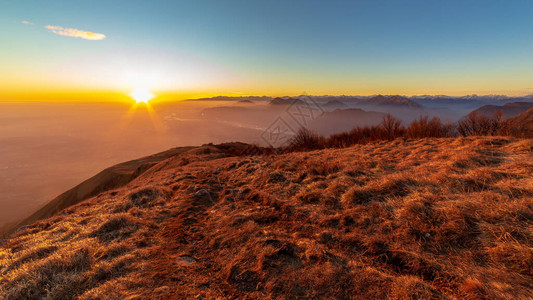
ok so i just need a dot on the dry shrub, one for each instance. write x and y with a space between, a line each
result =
306 140
423 127
392 127
341 140
479 124
363 135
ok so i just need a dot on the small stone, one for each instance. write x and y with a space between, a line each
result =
186 260
203 197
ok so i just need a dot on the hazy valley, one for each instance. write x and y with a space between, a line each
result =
47 148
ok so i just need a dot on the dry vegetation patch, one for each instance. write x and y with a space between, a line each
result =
435 218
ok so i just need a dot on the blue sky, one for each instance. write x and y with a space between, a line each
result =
257 47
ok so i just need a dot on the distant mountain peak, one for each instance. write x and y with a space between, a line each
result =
286 101
394 100
509 110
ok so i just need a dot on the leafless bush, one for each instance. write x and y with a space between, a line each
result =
423 127
306 139
392 127
478 124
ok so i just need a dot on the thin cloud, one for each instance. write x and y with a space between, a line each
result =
27 22
87 35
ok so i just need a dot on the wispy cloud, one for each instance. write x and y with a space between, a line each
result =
27 22
87 35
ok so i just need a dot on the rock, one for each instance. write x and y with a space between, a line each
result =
186 260
203 198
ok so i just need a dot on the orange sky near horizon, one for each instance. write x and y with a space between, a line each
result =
62 50
123 96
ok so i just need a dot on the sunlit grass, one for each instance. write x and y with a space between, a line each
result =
408 218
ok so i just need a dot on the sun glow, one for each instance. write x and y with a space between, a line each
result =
142 95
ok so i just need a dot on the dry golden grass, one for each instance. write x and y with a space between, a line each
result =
448 218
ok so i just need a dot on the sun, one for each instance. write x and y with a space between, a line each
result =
142 95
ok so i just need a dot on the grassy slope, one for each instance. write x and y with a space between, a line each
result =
431 218
113 177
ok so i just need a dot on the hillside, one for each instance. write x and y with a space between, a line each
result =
509 109
406 219
521 125
341 120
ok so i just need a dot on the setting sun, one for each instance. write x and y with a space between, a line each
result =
142 95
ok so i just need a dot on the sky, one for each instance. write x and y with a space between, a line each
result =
97 49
